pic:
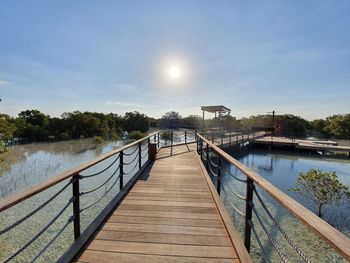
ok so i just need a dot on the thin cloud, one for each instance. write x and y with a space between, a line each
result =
3 83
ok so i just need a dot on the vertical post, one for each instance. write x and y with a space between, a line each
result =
212 137
158 140
197 144
218 182
201 149
230 138
242 137
172 139
121 170
222 139
76 206
154 138
207 153
185 137
203 122
236 137
248 213
140 155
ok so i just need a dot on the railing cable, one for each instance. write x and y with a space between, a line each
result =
277 248
92 204
232 175
40 232
133 160
129 154
53 239
264 257
291 243
105 182
97 173
34 211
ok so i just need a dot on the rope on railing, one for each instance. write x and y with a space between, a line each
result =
235 193
212 163
129 154
232 175
40 232
105 182
53 239
264 257
236 209
133 160
279 228
212 172
97 173
271 240
144 156
99 199
133 169
143 149
35 210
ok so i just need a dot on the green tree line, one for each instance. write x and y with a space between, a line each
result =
33 125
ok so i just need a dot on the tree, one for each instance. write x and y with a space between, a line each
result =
323 188
135 121
171 120
338 126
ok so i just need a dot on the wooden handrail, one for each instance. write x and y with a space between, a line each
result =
17 198
332 236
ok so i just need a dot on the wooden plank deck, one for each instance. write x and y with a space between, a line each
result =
173 215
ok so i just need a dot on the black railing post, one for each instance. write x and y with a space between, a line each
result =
121 170
230 138
201 149
154 138
236 137
140 155
158 140
248 213
76 206
218 185
185 137
207 153
172 139
198 143
212 137
222 139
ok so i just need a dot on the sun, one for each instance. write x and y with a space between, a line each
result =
174 72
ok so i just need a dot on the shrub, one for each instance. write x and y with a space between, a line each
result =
136 135
97 140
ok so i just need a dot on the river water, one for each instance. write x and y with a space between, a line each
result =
282 168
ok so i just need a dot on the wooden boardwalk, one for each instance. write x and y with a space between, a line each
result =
172 214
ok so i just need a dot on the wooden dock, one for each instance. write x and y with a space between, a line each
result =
312 145
172 214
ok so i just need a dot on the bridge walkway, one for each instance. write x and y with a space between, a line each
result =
172 214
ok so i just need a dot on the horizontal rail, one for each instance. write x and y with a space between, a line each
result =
20 197
332 236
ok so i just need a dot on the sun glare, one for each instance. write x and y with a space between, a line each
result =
174 72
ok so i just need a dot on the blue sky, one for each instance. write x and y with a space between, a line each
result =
113 56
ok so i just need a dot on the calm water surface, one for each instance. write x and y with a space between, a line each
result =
282 168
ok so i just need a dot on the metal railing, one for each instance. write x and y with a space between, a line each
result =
232 138
110 176
218 162
117 170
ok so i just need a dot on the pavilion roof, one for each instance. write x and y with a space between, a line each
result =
215 108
